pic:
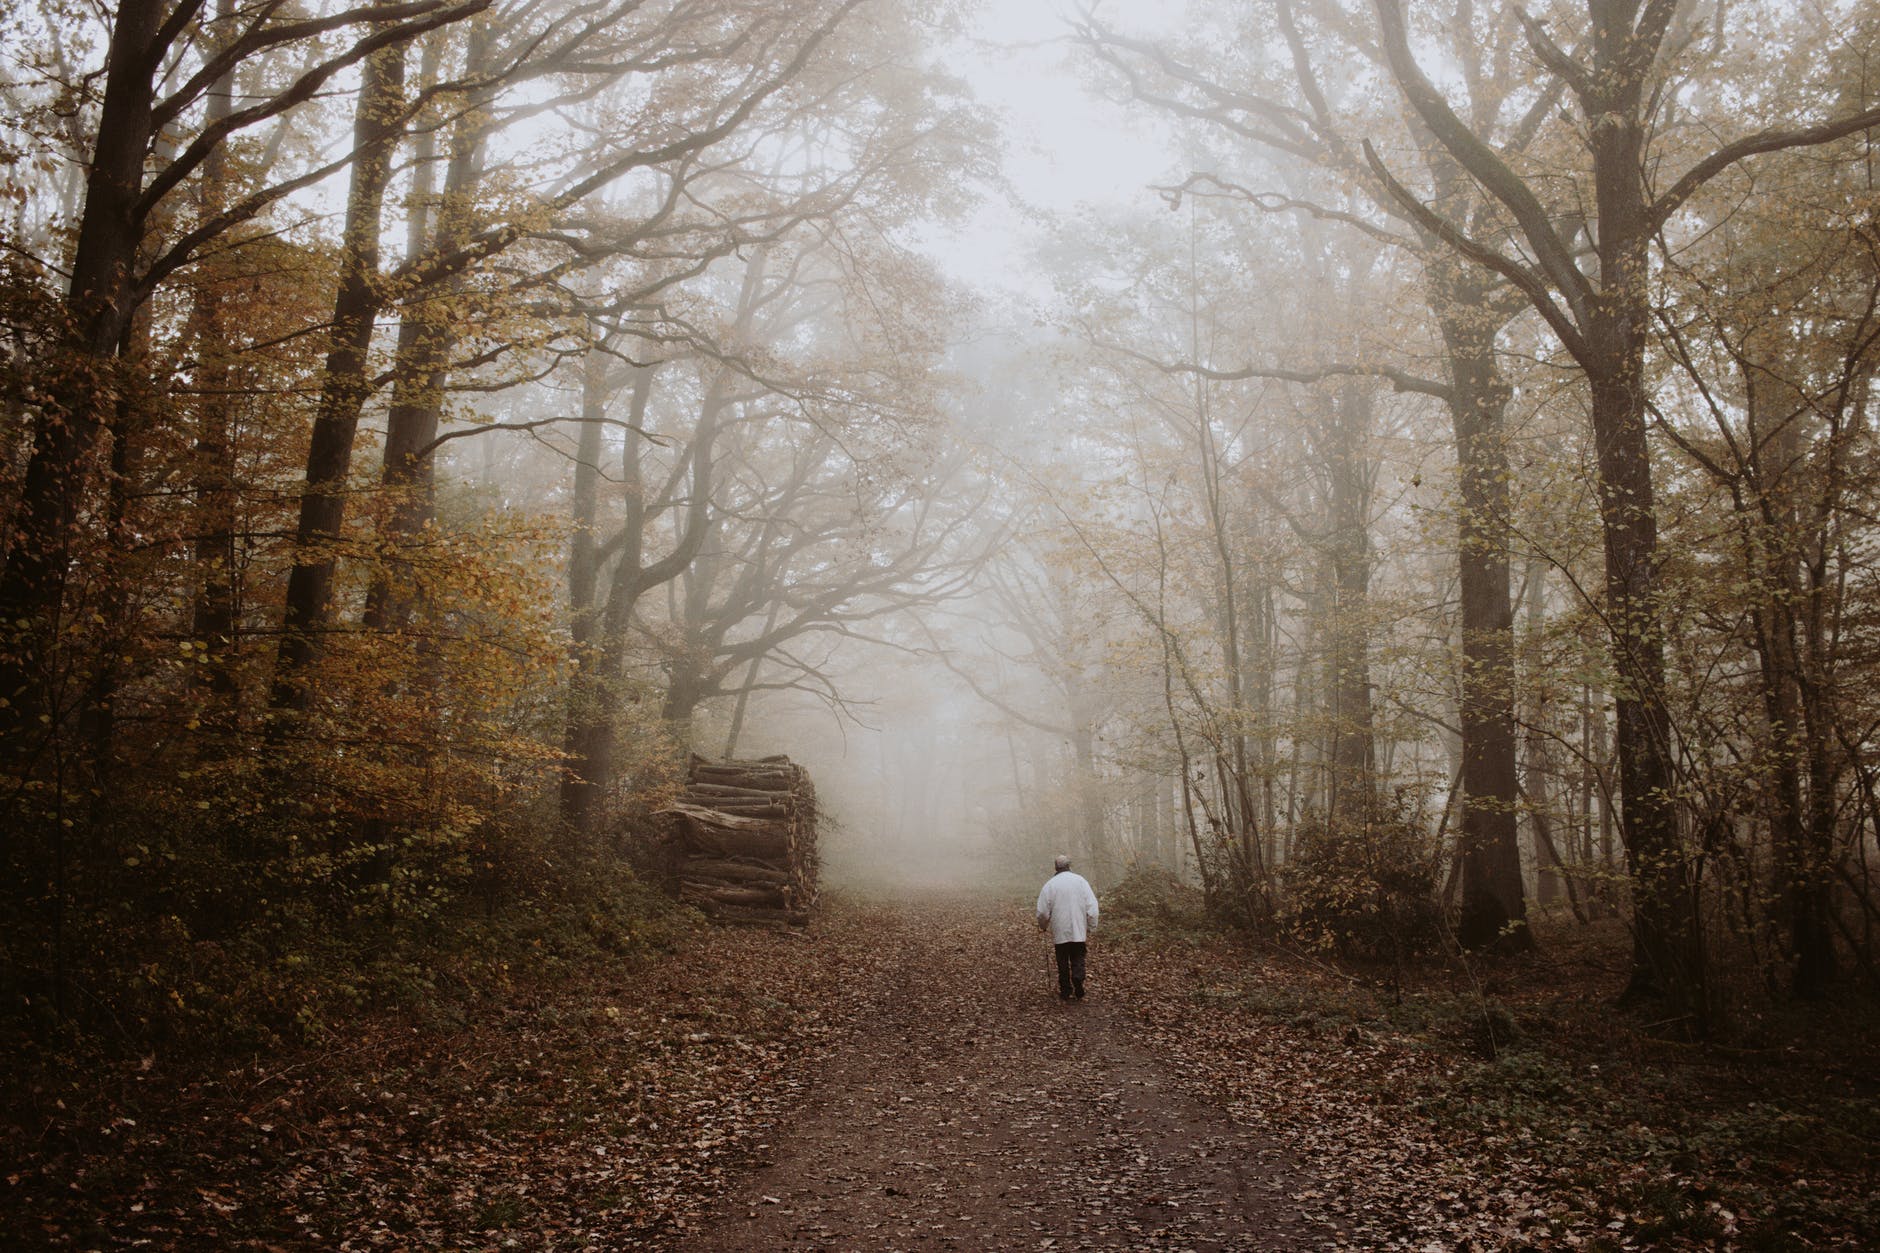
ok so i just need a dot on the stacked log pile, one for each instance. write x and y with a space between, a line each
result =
741 840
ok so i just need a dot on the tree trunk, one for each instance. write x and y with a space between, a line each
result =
1264 660
750 681
1668 939
1667 953
82 392
1604 323
1803 765
1494 908
592 741
1353 750
427 339
1551 876
1243 828
592 690
685 691
1811 659
1096 845
214 612
344 385
114 614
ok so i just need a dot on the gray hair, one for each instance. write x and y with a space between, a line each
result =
1063 863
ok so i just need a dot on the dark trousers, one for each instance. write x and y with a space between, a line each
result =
1070 963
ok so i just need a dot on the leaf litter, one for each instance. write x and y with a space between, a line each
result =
900 1076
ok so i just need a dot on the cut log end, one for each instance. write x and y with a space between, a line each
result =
742 840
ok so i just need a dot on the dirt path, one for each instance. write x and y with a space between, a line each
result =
977 1111
902 1076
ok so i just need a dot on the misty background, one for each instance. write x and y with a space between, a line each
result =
1314 452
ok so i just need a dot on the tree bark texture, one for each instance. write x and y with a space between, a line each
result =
1494 907
377 126
67 430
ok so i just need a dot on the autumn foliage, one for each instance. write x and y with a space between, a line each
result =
1435 522
316 612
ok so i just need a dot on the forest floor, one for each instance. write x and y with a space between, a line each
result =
902 1076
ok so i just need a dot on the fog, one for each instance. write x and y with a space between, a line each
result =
1217 439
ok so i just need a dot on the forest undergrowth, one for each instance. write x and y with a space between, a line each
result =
602 1099
1509 1101
583 1099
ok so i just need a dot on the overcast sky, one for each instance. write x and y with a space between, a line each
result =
1065 147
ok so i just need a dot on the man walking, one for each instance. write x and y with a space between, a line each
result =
1067 908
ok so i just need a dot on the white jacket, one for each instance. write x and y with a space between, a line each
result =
1067 906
